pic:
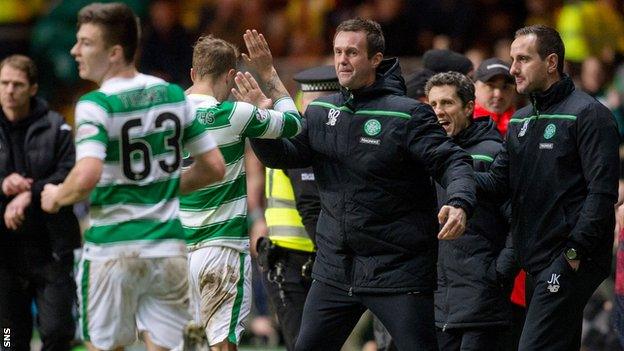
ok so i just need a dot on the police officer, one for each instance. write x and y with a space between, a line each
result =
292 211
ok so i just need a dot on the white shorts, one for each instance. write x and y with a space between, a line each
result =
120 296
220 279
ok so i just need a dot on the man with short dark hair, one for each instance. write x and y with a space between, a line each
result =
472 309
495 92
560 168
129 140
373 152
37 258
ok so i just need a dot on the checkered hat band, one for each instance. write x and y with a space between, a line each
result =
321 86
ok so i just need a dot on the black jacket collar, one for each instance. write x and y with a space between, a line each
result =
388 80
556 93
480 129
38 109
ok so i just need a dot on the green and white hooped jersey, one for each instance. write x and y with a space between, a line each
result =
217 215
138 126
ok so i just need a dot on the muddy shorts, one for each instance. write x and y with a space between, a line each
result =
220 279
120 296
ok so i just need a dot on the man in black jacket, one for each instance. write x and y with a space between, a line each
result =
471 308
36 257
560 167
373 152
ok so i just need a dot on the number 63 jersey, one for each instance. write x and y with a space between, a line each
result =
138 126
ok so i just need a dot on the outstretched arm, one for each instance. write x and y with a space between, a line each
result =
261 60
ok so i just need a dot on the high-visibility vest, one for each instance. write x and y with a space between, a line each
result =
285 226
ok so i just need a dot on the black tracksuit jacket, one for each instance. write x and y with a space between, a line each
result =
48 156
373 152
560 167
469 294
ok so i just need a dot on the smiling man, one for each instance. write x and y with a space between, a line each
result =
470 314
373 152
560 167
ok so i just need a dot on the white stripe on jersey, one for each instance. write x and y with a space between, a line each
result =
225 211
123 212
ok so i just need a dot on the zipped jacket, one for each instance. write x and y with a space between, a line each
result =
49 155
374 152
560 167
469 294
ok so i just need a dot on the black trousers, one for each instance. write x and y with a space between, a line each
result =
330 314
470 339
556 297
51 285
287 289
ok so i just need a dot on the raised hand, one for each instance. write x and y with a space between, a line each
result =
259 57
247 90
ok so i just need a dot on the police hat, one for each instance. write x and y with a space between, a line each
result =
415 83
491 68
322 78
442 60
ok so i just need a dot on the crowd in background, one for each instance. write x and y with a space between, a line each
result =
300 35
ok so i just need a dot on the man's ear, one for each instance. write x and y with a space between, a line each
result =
552 61
469 108
229 77
376 59
33 89
193 74
116 53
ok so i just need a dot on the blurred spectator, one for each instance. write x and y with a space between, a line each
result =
476 55
306 26
53 36
591 28
440 61
399 22
167 47
416 82
228 20
16 17
615 98
593 78
502 48
495 91
541 12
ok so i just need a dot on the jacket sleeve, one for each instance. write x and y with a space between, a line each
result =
448 164
64 160
307 198
284 153
495 182
597 142
507 265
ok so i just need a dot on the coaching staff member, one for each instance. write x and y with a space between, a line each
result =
560 168
36 248
373 152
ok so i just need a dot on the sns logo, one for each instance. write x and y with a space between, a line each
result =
553 283
332 117
6 340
